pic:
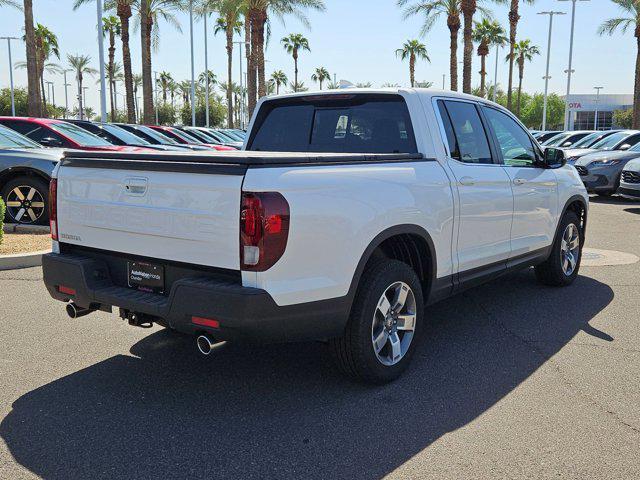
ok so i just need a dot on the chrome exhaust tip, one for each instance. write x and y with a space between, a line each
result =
75 311
205 344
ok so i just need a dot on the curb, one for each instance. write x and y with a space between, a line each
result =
22 260
18 228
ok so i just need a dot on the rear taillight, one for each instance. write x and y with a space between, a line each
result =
53 208
264 229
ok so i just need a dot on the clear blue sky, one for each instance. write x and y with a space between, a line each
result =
356 40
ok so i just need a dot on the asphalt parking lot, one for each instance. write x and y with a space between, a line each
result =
512 380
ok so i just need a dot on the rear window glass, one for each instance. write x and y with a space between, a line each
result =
352 124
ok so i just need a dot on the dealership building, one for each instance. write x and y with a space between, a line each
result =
582 110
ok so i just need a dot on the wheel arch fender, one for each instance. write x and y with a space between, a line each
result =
570 204
15 172
380 238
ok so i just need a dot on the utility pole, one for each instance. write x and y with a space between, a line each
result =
547 77
206 70
595 123
66 95
193 74
13 100
495 75
103 92
569 71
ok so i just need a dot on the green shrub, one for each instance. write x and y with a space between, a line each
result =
1 218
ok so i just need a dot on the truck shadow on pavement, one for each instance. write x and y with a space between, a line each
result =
282 411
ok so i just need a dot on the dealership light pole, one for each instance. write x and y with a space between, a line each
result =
242 110
595 123
52 92
155 90
206 69
569 70
193 74
495 74
13 100
547 77
103 93
66 95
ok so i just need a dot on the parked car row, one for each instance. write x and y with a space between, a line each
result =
599 156
31 147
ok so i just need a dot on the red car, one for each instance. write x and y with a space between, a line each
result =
49 132
184 138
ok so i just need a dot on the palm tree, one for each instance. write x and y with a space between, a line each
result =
320 75
164 80
111 27
123 10
632 9
80 65
257 18
413 50
46 43
185 89
279 78
113 75
514 18
432 10
34 104
524 52
293 44
229 23
487 33
150 12
469 9
136 83
10 3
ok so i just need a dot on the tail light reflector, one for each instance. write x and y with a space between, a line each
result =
53 208
264 230
66 290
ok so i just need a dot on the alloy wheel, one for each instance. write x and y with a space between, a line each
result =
570 249
25 204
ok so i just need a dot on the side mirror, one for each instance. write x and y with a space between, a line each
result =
626 146
554 158
50 142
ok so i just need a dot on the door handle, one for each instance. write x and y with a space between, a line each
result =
519 181
467 181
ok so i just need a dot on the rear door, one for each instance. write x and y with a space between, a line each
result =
157 213
484 191
535 189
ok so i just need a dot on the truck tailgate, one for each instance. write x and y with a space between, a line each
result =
190 215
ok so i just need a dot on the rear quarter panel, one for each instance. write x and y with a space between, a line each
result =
336 211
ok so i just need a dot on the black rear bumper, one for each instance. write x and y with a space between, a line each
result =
243 313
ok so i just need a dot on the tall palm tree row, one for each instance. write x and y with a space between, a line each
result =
514 18
293 44
164 81
80 65
413 50
320 75
431 10
487 33
524 51
34 104
631 9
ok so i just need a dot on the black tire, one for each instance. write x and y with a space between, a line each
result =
354 352
551 272
41 196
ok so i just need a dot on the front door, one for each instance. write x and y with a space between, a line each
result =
534 187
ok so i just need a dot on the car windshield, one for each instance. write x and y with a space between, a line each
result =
611 141
189 138
589 140
122 134
157 136
200 136
12 139
557 140
234 135
79 135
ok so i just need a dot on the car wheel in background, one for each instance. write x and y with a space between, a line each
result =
27 201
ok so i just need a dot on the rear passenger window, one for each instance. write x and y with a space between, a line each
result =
349 123
466 133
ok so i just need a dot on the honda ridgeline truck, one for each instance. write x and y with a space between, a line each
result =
346 213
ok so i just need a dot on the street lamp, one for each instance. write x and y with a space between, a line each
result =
495 75
66 96
569 70
242 109
444 76
155 91
193 74
103 93
547 77
13 101
52 92
595 123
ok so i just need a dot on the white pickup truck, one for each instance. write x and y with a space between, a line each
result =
383 202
